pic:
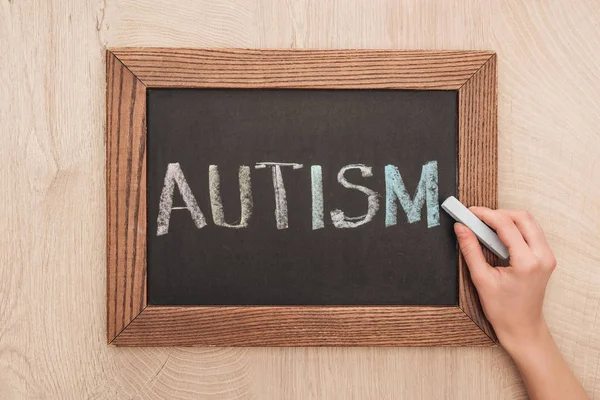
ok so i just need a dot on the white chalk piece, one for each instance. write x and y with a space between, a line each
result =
483 232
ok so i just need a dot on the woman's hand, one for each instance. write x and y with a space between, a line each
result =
511 297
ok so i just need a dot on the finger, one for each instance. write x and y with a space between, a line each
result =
471 251
533 234
529 228
505 228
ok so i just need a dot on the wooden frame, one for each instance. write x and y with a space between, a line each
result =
130 71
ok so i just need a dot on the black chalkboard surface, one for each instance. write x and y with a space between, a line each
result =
300 257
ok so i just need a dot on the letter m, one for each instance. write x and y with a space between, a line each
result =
427 192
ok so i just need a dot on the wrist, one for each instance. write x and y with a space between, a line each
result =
525 340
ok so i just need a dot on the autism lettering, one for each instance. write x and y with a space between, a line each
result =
396 193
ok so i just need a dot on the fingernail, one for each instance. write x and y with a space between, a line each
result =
459 228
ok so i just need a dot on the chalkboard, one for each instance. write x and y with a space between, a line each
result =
399 137
292 197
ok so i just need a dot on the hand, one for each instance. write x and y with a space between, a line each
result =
512 296
512 300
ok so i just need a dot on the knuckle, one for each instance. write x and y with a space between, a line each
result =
467 249
462 234
503 221
550 262
526 216
478 280
531 266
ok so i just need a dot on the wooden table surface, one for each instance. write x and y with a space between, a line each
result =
52 191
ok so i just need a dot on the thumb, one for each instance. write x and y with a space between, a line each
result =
471 251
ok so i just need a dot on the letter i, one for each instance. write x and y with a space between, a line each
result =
316 176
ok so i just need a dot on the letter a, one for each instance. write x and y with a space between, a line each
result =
174 176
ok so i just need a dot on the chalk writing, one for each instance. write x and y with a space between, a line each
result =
174 176
281 212
426 194
214 184
316 182
339 219
427 191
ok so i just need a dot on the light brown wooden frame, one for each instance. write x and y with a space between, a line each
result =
130 71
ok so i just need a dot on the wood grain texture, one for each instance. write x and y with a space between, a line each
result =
125 196
477 169
53 185
291 326
302 326
324 69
